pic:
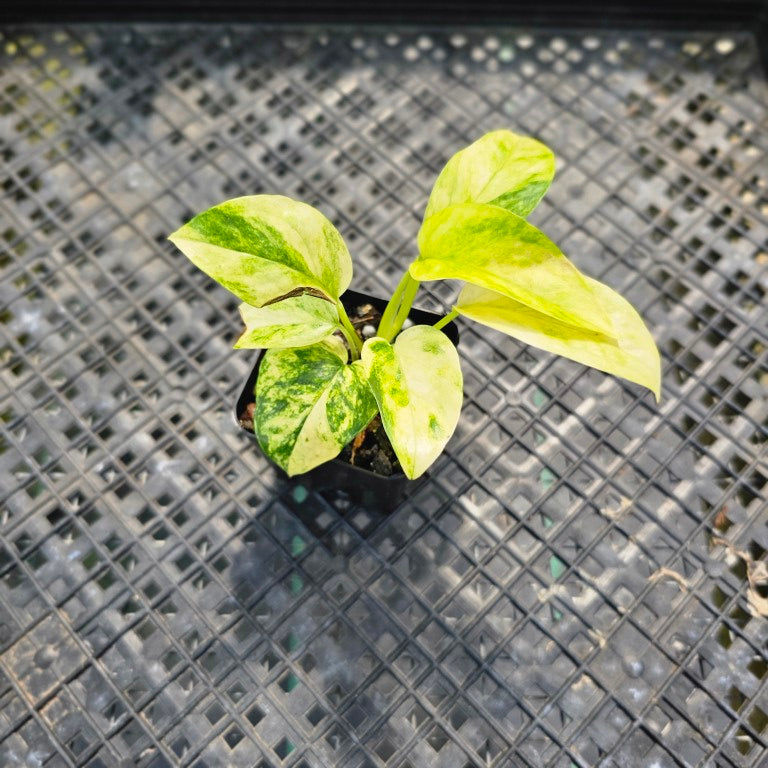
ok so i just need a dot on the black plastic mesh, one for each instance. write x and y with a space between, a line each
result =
580 581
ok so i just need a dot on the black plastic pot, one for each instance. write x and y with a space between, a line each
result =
375 492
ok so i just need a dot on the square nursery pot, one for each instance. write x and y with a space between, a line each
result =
375 492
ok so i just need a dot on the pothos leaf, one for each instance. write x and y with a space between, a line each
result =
632 355
264 246
498 250
309 404
297 321
417 384
500 168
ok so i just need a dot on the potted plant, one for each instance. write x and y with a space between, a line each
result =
340 369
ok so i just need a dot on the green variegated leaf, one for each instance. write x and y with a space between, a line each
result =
418 386
264 246
495 249
633 355
297 321
500 168
309 404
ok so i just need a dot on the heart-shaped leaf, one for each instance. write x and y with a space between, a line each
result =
296 321
310 404
632 355
500 168
265 246
498 250
417 383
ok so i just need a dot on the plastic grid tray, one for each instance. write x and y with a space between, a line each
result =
579 582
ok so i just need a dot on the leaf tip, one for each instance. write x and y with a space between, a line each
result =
407 464
175 235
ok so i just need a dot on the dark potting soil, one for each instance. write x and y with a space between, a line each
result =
371 449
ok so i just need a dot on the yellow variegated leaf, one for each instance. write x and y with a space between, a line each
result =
265 246
500 168
496 249
309 404
632 354
297 321
417 384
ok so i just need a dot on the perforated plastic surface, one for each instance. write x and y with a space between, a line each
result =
580 581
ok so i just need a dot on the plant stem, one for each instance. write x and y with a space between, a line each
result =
350 334
406 302
443 321
398 307
393 305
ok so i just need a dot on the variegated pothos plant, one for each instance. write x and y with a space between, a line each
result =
319 384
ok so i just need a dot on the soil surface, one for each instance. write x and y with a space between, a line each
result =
371 449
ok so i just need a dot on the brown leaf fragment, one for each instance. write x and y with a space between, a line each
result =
246 417
757 576
299 292
722 523
356 443
668 573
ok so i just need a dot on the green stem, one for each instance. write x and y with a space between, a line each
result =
452 315
406 303
350 334
390 311
399 307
